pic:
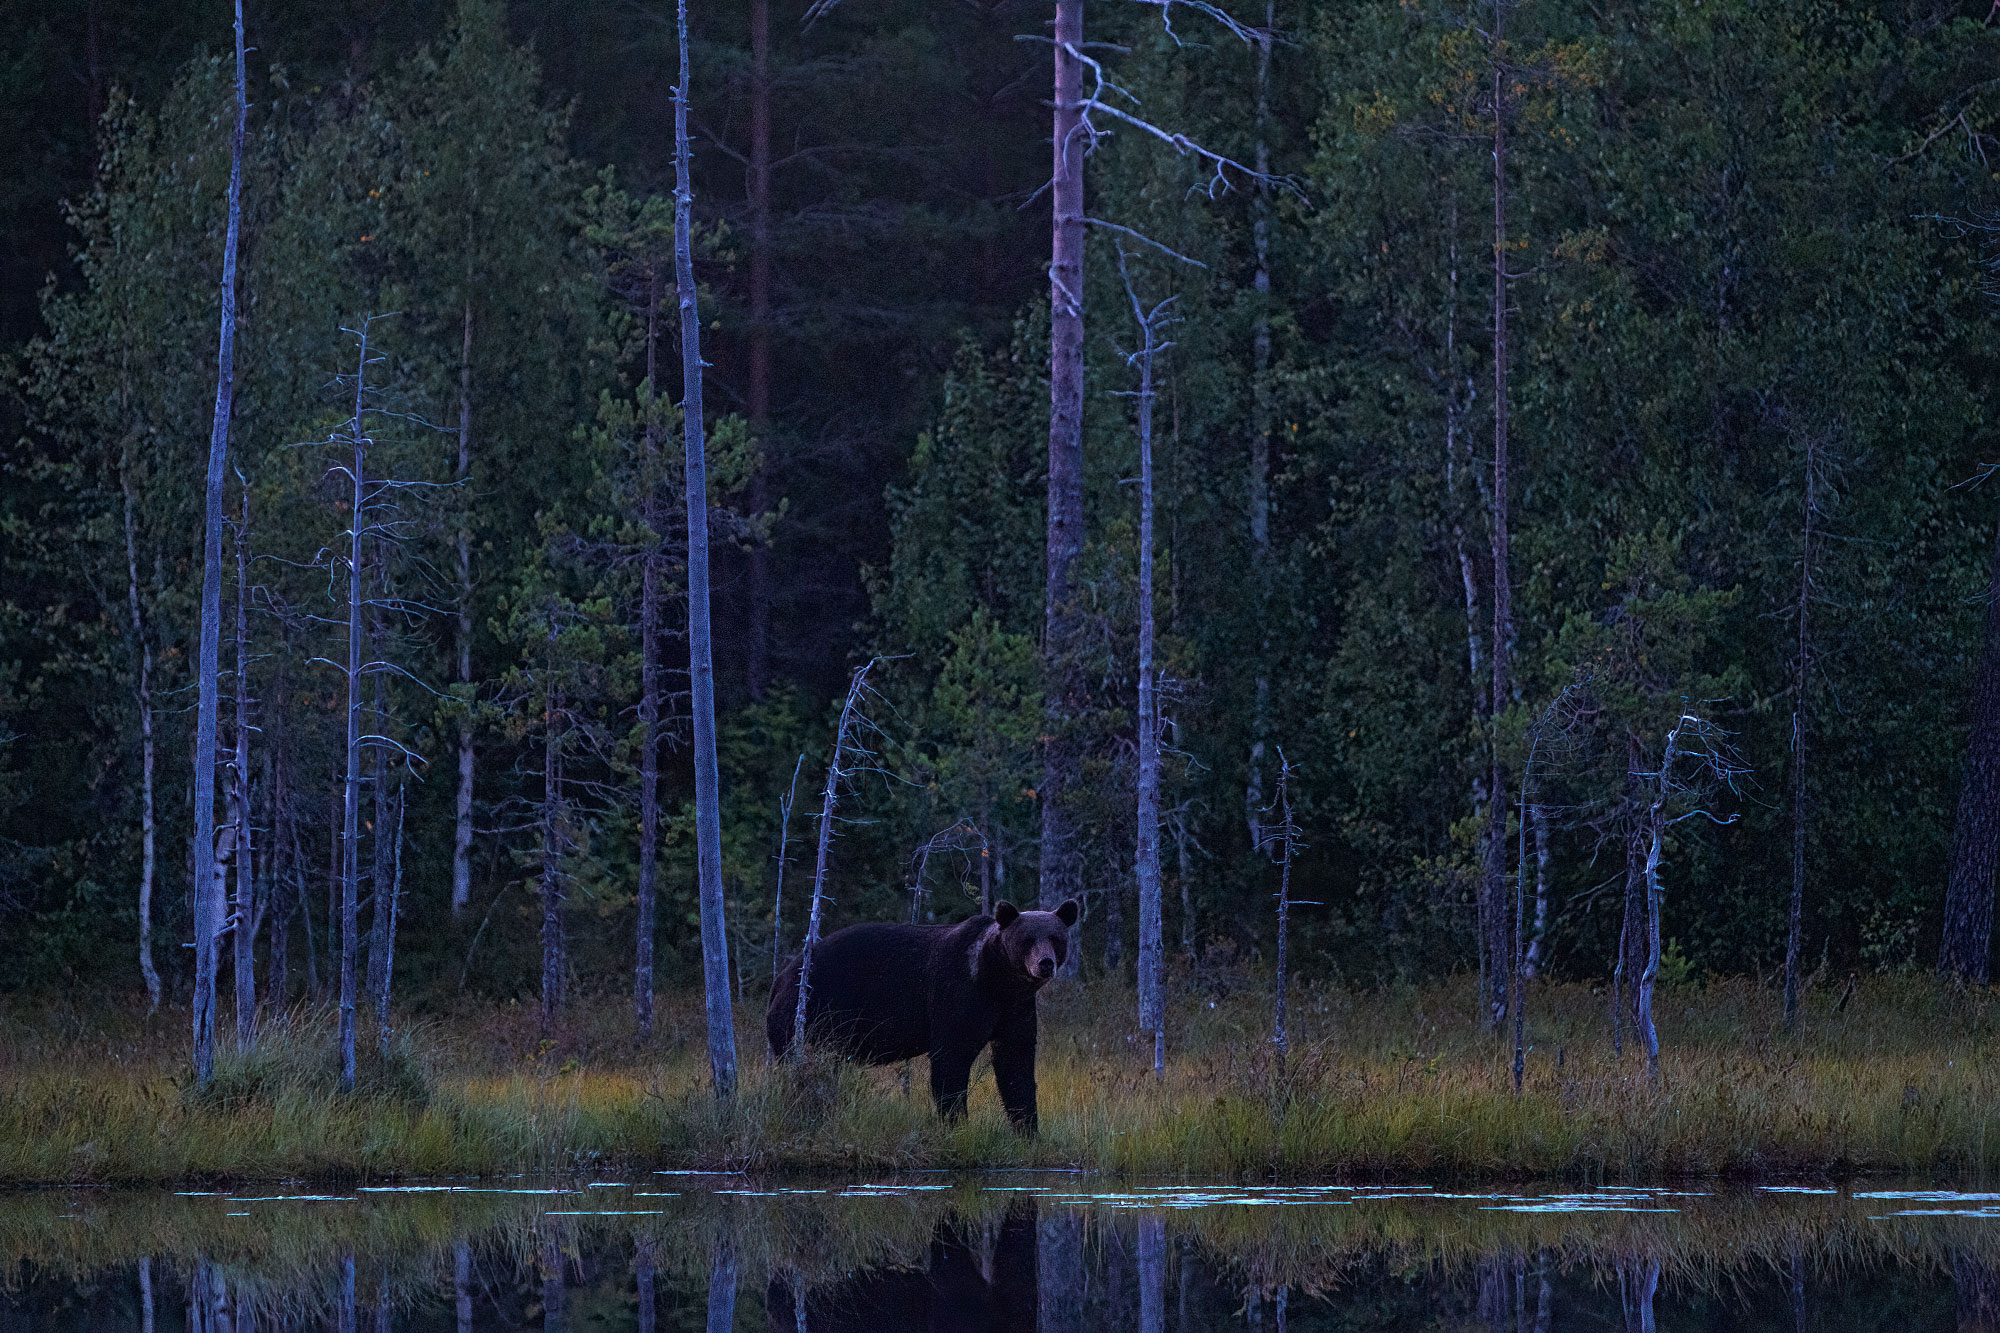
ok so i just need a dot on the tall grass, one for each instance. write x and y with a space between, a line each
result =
1400 1082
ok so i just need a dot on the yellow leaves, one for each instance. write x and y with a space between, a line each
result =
1375 116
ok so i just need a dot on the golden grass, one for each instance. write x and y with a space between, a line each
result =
1900 1080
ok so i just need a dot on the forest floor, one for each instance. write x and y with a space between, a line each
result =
1901 1078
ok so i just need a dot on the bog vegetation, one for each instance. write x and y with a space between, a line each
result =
1898 1077
1556 569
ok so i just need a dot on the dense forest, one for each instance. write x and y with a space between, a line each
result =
1565 447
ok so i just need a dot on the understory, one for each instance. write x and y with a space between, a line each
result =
1891 1075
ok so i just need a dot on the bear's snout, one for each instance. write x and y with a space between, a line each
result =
1046 967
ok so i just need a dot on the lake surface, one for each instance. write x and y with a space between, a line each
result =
997 1252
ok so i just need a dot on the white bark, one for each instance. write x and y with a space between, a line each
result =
207 910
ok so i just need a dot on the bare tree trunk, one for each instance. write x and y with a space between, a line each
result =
1259 486
649 682
148 819
1656 827
461 828
1966 952
145 1295
552 849
1801 726
778 900
1531 965
1061 875
380 846
1491 915
282 864
208 704
1152 997
829 796
389 902
1286 832
758 400
350 825
701 657
243 929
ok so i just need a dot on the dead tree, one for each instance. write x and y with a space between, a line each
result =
1966 951
1152 999
373 505
143 694
778 899
242 921
388 902
207 910
461 828
845 751
1801 726
1696 763
650 606
1258 485
1493 942
701 657
1281 841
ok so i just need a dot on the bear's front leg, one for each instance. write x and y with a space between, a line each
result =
1014 1071
951 1075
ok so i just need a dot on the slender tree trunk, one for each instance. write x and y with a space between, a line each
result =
701 656
148 819
1656 827
553 832
1280 1036
244 930
649 680
758 400
643 1281
778 899
1531 965
145 1295
1637 1283
380 846
829 796
461 828
393 893
1967 949
1152 998
1061 871
1801 730
1259 481
283 863
1492 915
208 704
350 806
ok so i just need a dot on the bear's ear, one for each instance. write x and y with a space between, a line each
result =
1005 913
1067 913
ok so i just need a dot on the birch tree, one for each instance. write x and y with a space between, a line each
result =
207 911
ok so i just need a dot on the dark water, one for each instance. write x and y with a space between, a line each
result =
1012 1252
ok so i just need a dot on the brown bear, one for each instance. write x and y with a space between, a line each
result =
885 992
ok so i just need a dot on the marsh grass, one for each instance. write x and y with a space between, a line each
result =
1901 1079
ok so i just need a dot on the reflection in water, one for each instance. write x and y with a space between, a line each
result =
935 1254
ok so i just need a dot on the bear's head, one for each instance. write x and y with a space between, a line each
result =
1035 944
